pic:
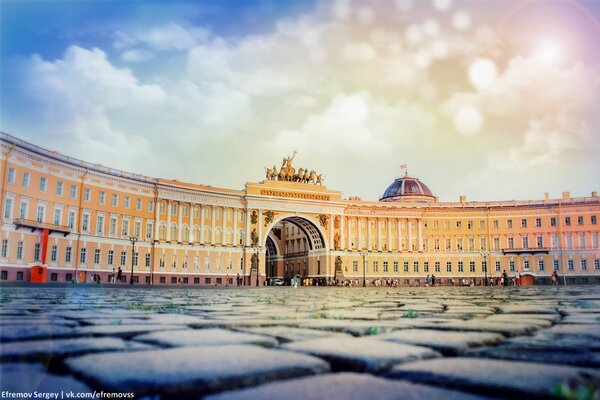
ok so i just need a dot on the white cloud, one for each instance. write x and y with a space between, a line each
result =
137 55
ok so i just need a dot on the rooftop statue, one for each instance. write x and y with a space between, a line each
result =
287 172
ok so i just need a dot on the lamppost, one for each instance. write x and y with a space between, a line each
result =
257 262
485 254
133 239
364 256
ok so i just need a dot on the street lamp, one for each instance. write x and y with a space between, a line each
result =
256 264
133 239
485 254
364 256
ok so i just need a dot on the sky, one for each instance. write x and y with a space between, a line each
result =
492 99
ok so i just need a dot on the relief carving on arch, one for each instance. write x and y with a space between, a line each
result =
254 217
269 216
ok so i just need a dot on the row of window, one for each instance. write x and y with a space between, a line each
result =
583 263
185 211
87 192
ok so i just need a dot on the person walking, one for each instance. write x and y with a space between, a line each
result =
427 280
432 280
555 278
119 275
504 279
518 279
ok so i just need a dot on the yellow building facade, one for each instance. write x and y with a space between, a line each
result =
80 222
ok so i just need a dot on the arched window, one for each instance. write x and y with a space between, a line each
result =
185 233
162 231
173 232
229 237
196 234
218 236
207 233
241 237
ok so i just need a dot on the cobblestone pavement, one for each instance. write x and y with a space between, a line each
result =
304 343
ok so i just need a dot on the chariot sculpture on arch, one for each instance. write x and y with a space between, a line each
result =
287 172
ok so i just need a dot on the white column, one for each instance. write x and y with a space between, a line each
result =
191 228
168 221
342 233
180 223
378 234
202 223
358 234
331 233
409 235
420 234
214 222
349 241
156 220
260 223
235 239
368 234
389 234
247 228
399 238
224 235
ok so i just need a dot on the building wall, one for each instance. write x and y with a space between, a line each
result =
203 235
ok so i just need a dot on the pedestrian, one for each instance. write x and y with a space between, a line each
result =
119 275
518 279
238 279
555 278
504 279
432 280
427 280
113 276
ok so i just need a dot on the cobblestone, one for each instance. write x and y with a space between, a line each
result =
254 343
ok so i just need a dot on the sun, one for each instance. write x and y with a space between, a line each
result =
550 52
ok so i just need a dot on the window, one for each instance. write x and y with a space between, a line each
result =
125 231
471 244
54 253
571 265
461 266
23 209
496 244
511 243
552 221
385 266
482 243
580 220
458 224
196 281
83 255
8 204
459 244
555 265
113 226
36 252
71 220
162 279
375 266
41 211
207 281
498 266
151 207
114 200
59 188
582 240
554 239
162 207
123 258
511 265
395 266
102 197
4 275
25 181
495 224
482 224
405 266
126 202
540 265
568 221
85 222
415 266
469 225
426 266
525 242
54 277
11 175
509 224
597 264
68 251
20 275
525 265
583 263
484 266
97 256
437 266
136 256
449 266
595 241
138 204
540 241
538 222
68 277
448 244
471 266
523 223
73 192
147 259
111 257
436 244
87 194
57 216
4 248
174 208
569 241
593 220
137 229
43 184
